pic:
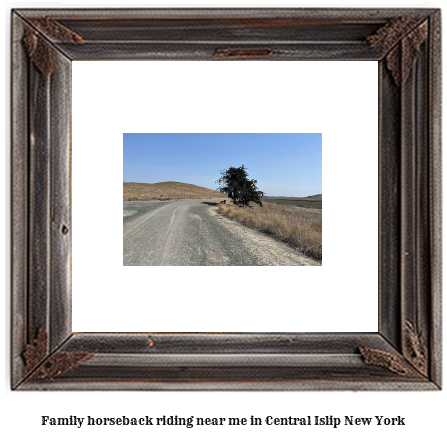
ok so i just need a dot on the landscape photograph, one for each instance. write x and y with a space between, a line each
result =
222 199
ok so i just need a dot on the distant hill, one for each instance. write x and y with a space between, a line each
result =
312 201
166 190
315 197
318 197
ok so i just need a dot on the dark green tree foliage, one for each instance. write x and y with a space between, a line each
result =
235 183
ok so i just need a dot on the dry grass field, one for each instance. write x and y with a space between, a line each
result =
165 191
314 201
300 227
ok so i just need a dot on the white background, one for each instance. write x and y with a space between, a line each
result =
20 412
182 97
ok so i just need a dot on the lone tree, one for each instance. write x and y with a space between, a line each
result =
235 183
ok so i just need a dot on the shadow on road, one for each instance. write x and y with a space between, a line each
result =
213 204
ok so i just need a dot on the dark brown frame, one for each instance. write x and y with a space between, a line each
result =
405 354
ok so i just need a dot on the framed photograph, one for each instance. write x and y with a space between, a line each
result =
181 230
94 309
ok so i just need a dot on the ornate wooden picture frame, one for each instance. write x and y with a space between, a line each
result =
405 354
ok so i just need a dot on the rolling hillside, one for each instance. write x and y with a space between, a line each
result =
166 190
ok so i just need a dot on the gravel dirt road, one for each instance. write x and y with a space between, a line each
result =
190 232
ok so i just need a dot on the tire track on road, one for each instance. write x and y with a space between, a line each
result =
171 236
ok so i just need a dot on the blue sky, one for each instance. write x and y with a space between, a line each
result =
283 164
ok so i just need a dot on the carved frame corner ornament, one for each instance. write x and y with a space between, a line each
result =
400 58
40 365
412 364
416 349
39 49
394 362
405 353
